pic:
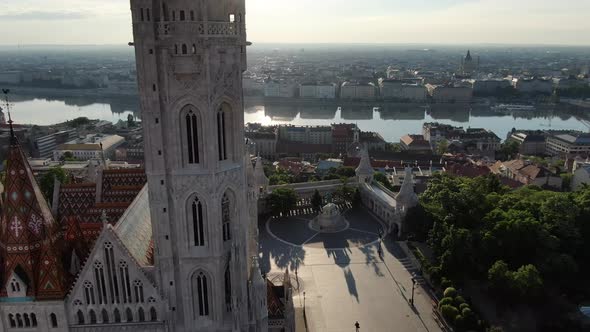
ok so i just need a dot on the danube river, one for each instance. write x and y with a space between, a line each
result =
391 122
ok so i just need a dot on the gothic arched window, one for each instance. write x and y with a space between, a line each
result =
53 319
226 217
80 317
89 292
117 315
223 115
192 137
228 304
12 321
34 320
153 314
105 316
200 282
198 223
141 315
125 282
138 285
92 315
129 315
27 320
184 49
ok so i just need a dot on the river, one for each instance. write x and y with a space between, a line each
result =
391 122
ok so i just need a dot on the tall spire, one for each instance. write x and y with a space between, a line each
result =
407 196
261 179
28 232
7 103
365 171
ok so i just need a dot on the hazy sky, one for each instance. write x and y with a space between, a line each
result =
358 21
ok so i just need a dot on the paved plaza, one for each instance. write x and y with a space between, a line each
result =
343 277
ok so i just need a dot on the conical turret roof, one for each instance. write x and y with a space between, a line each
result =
28 232
365 167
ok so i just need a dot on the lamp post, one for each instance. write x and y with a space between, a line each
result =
413 287
304 303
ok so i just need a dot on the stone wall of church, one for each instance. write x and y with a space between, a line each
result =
47 316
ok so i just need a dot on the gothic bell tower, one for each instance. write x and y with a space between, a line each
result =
190 58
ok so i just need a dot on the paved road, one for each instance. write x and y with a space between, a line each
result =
350 284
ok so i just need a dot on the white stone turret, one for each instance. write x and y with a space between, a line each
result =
364 172
258 302
261 179
407 197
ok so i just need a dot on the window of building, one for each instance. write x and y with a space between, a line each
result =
153 314
129 315
141 315
105 316
53 319
117 315
138 285
182 18
227 277
202 295
221 133
184 49
92 315
232 18
34 320
80 317
192 15
192 137
147 11
198 223
226 217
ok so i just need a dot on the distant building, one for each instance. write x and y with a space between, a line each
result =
317 90
530 143
581 175
415 143
265 143
43 146
481 139
342 136
568 144
468 65
450 94
350 90
489 87
438 132
527 173
279 89
399 89
306 134
533 85
92 147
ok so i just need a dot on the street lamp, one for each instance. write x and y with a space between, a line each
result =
413 287
304 303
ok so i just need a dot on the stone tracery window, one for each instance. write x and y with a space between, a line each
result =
198 223
200 282
192 127
223 117
226 217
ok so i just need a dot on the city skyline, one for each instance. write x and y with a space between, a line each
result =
371 21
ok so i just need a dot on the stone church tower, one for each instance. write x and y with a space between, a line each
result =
190 58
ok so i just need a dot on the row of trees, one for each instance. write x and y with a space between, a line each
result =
526 245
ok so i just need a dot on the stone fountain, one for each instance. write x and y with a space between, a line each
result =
330 220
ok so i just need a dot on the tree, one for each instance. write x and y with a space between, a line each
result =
442 147
47 181
130 121
510 149
357 200
316 201
282 200
68 156
382 178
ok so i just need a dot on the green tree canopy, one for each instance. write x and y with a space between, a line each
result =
282 200
47 181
